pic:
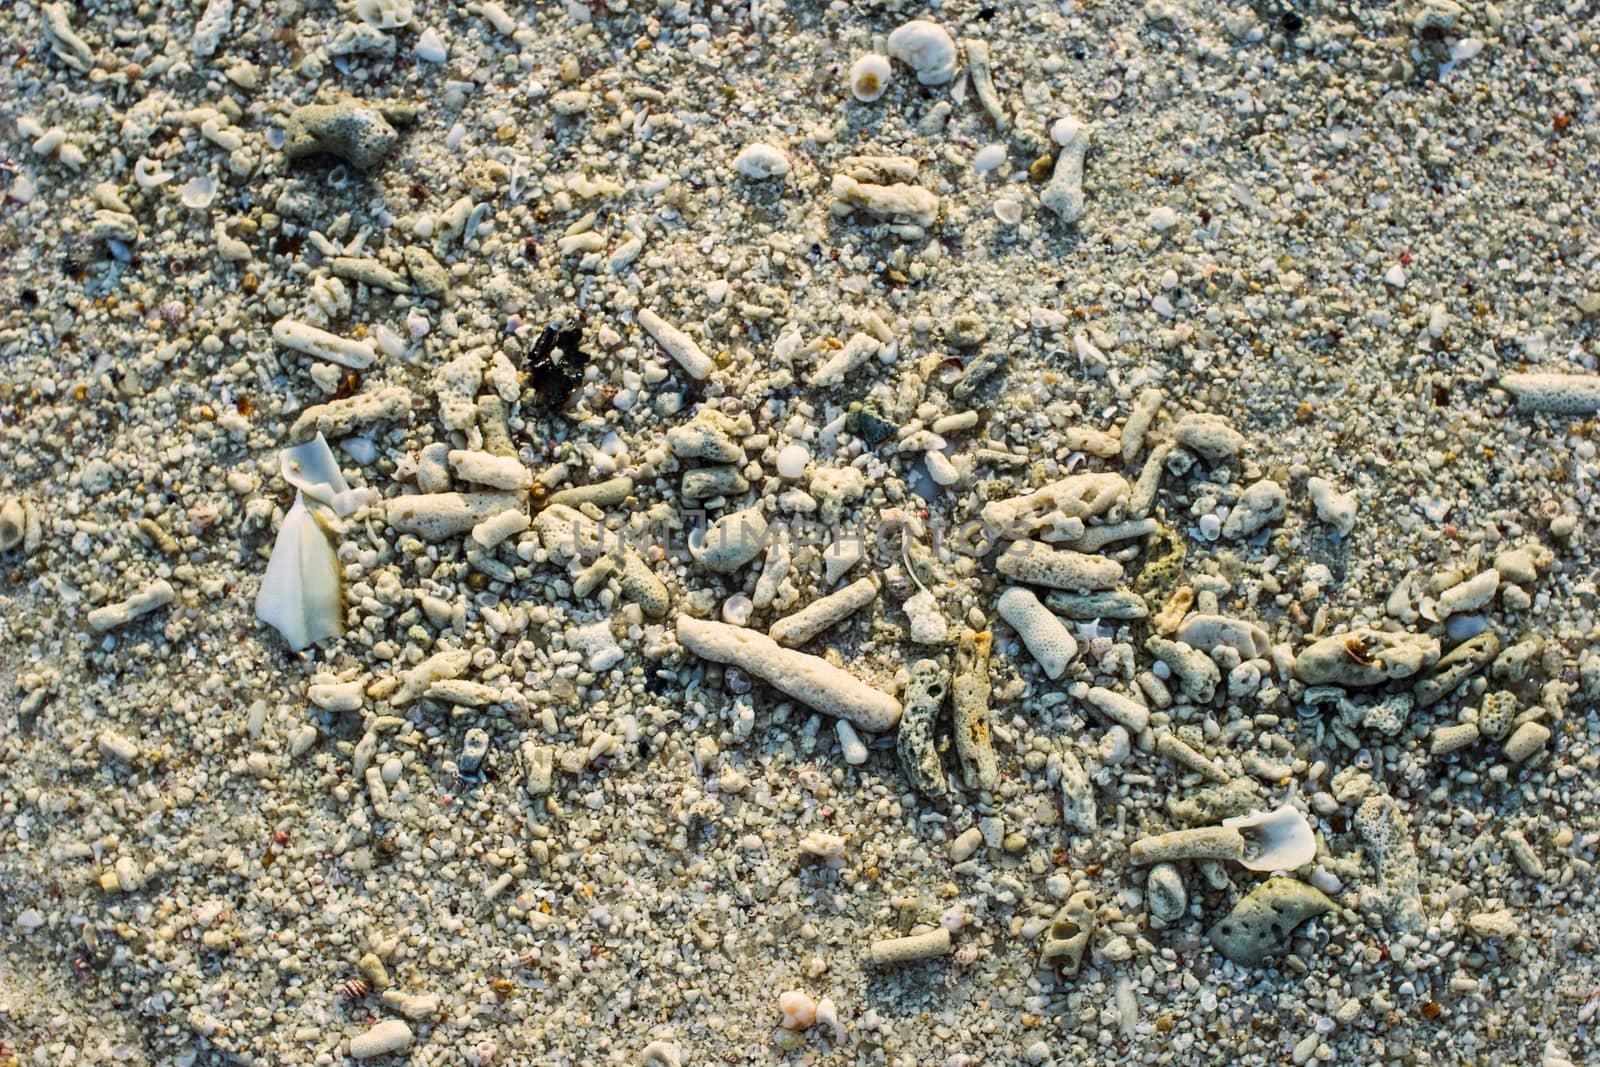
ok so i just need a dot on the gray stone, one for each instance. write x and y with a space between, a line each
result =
1262 503
1077 794
107 226
473 750
1455 667
13 523
1260 925
1364 656
1165 894
704 483
915 742
352 130
1211 805
731 541
1115 604
430 278
1208 436
1398 895
1195 672
969 706
1499 710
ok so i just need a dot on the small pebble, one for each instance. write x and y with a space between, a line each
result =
799 1010
850 743
989 158
792 461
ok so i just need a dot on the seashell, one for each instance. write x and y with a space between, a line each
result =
431 47
927 49
988 158
384 14
1008 209
1278 840
302 593
198 192
312 469
869 77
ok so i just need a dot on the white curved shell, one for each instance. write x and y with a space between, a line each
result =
927 49
312 469
1278 840
198 192
301 593
869 77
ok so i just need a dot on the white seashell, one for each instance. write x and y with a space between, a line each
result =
869 77
388 342
758 161
301 594
430 47
926 49
1278 840
1008 209
198 192
736 610
384 14
312 469
988 158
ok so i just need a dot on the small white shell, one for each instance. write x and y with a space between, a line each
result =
1008 209
736 610
759 161
988 158
198 192
312 469
384 14
301 594
1278 840
927 49
869 77
431 47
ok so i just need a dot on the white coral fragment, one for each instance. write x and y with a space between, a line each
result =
927 49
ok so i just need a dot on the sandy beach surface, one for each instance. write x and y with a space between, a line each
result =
602 532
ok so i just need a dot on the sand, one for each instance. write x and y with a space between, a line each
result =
1311 289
